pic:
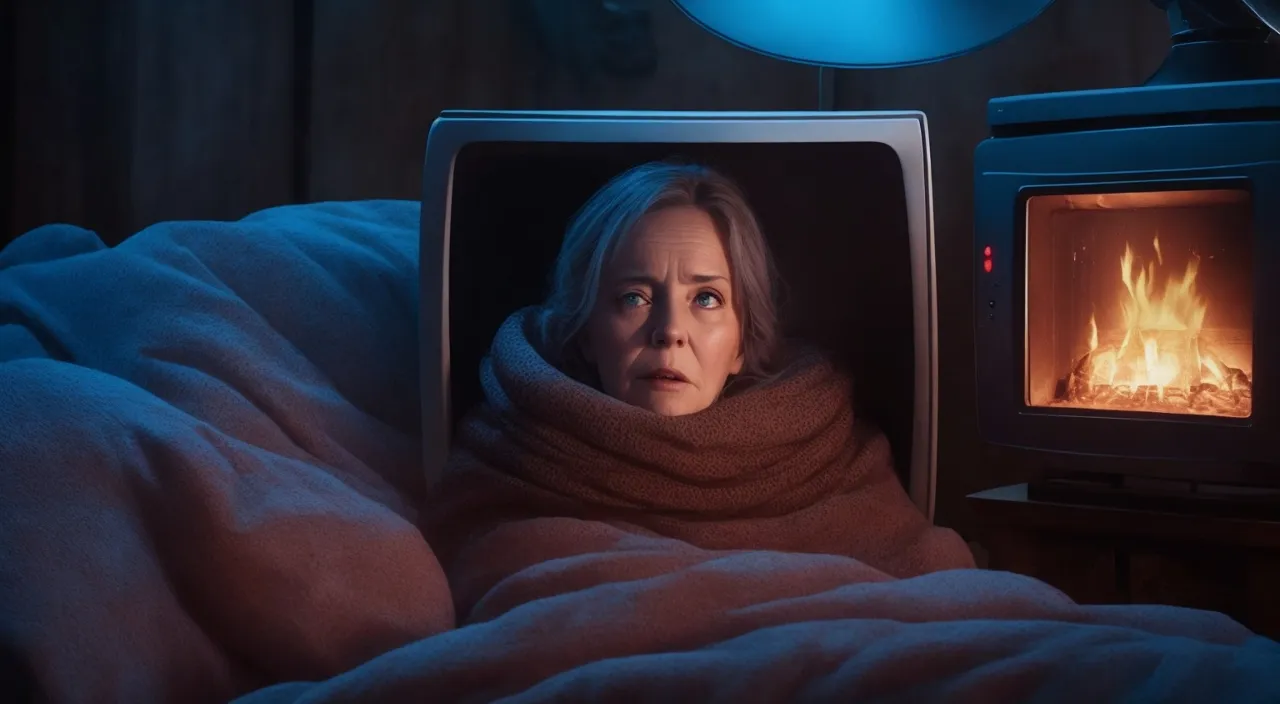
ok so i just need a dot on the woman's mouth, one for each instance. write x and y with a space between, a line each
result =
665 379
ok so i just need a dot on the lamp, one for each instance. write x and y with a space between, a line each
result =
1214 40
863 33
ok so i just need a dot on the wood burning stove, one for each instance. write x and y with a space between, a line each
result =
1128 274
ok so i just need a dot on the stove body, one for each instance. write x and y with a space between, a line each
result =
1127 297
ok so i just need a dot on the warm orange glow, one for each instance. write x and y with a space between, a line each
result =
1158 360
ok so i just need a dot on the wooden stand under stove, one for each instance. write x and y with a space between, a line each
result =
1116 555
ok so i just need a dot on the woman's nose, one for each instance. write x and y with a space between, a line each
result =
668 330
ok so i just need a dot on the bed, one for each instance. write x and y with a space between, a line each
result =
210 488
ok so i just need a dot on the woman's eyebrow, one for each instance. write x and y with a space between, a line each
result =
636 279
651 281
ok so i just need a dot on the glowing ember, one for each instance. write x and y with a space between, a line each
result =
1161 363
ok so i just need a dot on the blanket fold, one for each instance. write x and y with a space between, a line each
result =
781 466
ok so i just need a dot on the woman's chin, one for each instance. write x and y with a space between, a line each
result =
669 410
668 403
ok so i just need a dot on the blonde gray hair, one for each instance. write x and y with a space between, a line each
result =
612 212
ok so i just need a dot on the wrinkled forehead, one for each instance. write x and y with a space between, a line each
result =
686 234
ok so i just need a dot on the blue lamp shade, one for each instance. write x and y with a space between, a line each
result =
862 33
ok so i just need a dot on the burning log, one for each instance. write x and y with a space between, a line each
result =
1230 393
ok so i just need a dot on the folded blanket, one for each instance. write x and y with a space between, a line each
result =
209 454
601 614
782 466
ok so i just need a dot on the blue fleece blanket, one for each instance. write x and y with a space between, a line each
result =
209 453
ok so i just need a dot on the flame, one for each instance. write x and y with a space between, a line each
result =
1174 317
1159 363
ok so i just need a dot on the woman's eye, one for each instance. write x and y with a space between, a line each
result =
706 299
632 299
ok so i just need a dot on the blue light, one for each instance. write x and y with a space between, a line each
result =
862 33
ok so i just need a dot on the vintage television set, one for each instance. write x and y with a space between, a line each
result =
844 199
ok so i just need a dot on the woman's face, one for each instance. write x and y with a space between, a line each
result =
664 334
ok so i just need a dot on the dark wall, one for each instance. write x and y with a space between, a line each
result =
127 112
8 105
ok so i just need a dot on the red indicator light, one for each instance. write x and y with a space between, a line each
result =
986 251
986 265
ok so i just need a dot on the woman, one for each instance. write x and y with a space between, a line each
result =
663 291
649 396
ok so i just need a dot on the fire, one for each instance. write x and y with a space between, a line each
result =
1161 362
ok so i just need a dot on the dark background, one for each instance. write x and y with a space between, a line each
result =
122 113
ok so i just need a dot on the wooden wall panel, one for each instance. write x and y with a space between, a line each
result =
72 114
8 105
694 71
1074 45
213 118
384 69
381 69
132 111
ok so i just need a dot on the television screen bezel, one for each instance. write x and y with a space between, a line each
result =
906 132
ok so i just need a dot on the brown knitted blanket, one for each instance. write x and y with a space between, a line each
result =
783 466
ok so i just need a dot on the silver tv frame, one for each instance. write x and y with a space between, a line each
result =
907 133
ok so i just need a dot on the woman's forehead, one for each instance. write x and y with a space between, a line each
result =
688 240
683 229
